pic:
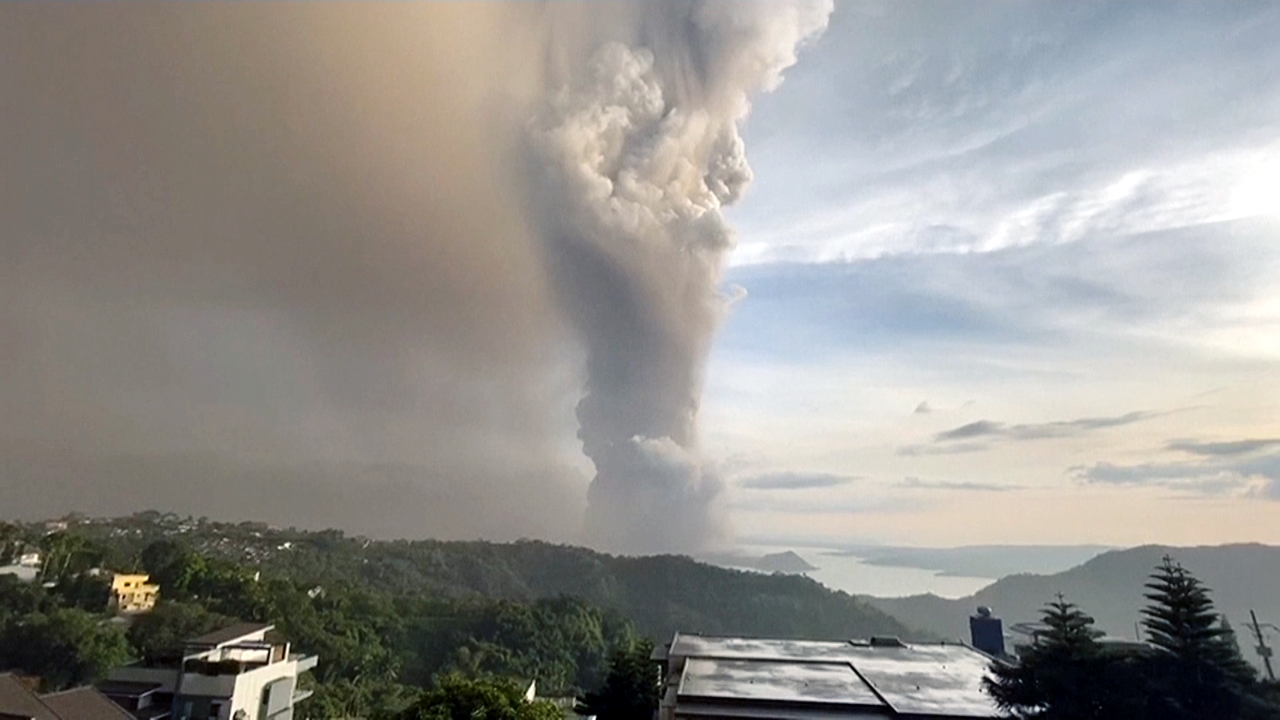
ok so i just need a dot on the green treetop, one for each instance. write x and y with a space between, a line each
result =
630 690
1201 673
458 698
1066 674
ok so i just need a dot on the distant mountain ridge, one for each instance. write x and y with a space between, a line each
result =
1110 588
780 562
990 561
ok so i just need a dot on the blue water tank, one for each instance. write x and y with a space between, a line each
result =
987 631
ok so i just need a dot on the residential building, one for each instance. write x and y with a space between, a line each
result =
243 672
27 567
18 701
132 593
22 572
706 678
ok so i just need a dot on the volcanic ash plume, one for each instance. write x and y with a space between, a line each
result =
270 260
635 159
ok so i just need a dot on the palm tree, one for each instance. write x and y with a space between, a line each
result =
13 541
62 551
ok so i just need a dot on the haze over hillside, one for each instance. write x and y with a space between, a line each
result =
993 561
660 594
1109 588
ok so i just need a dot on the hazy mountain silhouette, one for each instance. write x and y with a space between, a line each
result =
1109 587
992 561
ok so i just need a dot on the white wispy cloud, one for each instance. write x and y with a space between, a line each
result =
973 129
1223 468
1066 211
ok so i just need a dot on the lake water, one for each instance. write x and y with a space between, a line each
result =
843 572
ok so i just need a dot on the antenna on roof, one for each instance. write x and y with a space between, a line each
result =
1264 651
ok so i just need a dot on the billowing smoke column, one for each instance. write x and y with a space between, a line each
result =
286 262
635 159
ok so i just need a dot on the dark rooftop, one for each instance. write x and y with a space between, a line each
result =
17 701
230 633
126 688
84 703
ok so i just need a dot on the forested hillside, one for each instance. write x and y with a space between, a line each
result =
387 618
660 594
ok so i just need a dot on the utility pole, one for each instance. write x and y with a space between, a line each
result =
1263 650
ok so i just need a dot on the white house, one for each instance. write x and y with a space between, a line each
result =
243 672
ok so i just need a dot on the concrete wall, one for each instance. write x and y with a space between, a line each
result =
250 686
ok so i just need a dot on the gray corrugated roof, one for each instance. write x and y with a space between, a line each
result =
775 681
934 679
16 700
84 703
227 634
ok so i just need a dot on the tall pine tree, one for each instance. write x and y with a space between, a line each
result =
1066 675
1200 674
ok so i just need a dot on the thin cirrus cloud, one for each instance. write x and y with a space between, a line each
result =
915 483
949 449
795 481
1219 449
971 127
1102 289
977 436
1244 467
1039 431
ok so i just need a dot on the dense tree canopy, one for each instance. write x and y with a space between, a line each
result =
160 633
1066 674
377 649
629 691
64 647
458 698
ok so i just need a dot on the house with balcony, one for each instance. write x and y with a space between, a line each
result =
242 672
132 593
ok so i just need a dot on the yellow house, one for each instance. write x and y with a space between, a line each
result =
132 593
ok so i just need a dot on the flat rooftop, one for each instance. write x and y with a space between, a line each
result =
808 682
801 678
230 634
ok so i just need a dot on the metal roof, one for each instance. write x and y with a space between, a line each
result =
928 679
755 648
774 680
738 711
940 680
230 634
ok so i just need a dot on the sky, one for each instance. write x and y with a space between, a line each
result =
995 272
1010 276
